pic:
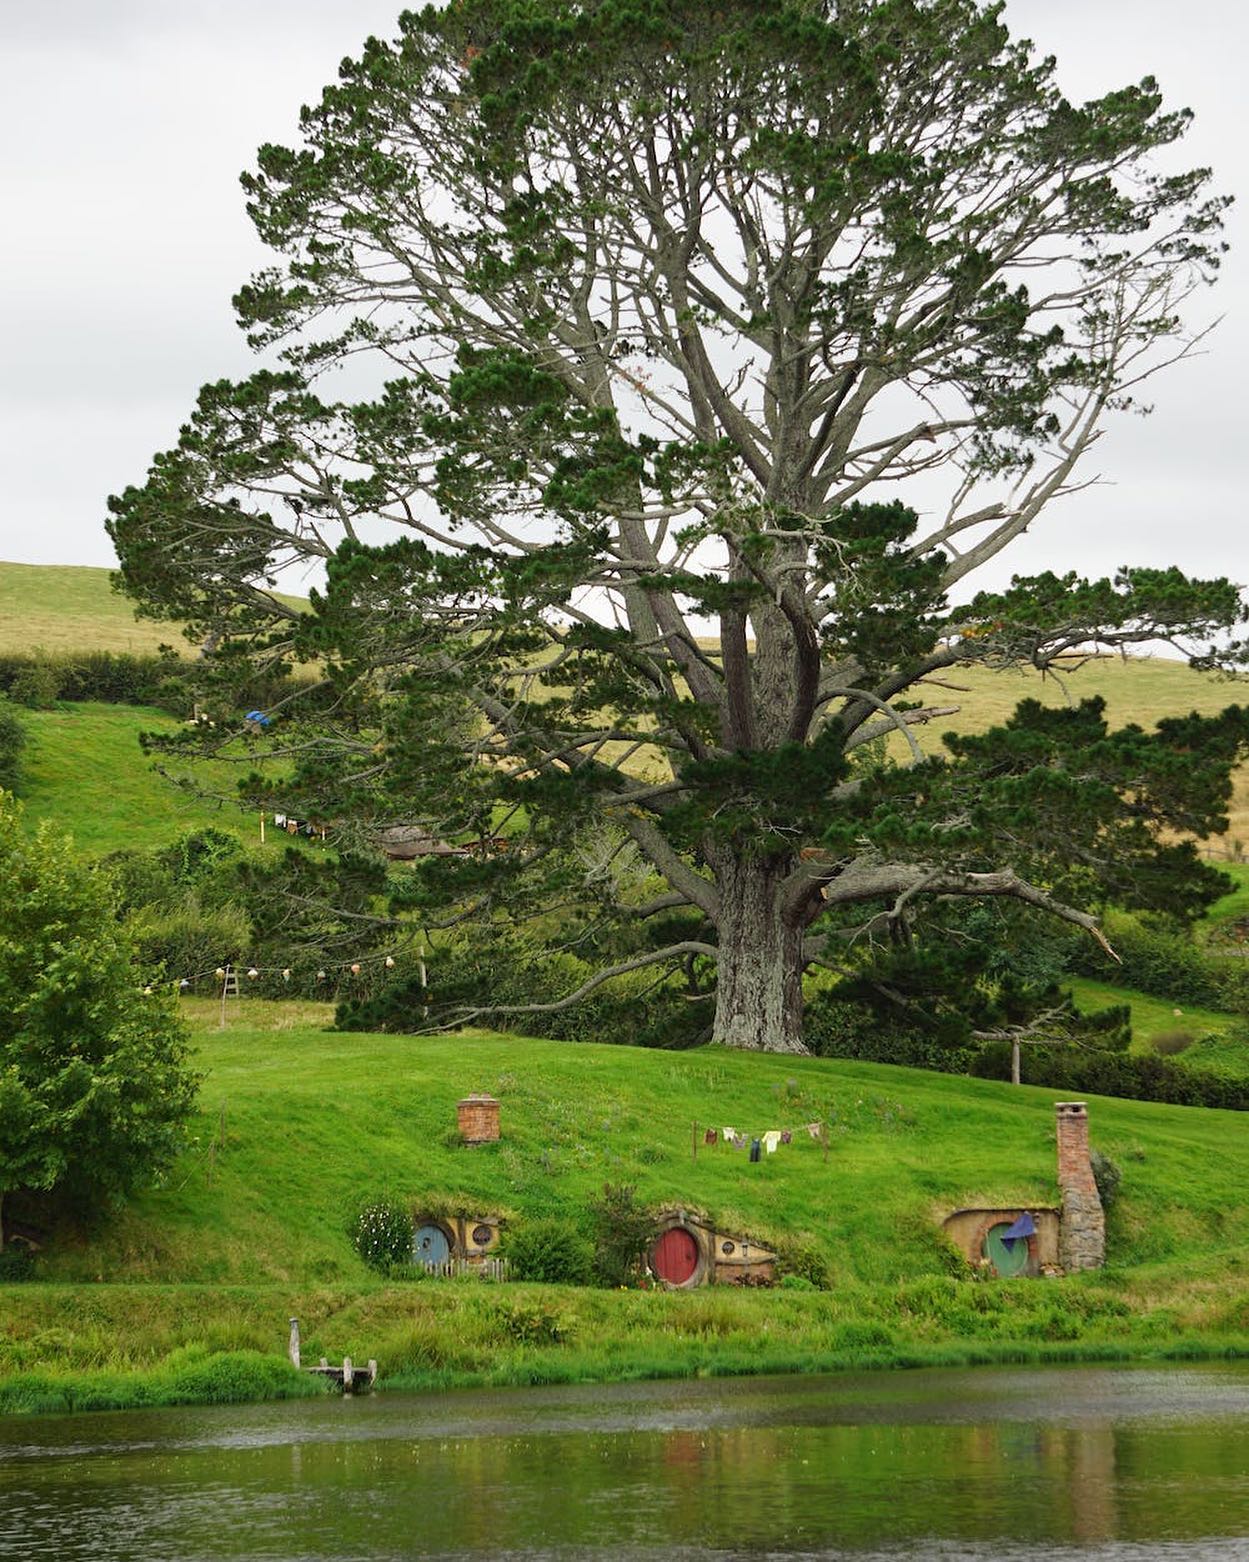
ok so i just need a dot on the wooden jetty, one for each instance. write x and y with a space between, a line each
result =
350 1378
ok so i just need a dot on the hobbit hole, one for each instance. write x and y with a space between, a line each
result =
1042 1240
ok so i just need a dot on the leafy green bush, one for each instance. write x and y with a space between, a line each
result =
16 1263
12 746
1167 964
623 1229
836 1029
536 1323
1107 1176
382 1232
189 939
37 687
552 1251
797 1259
121 678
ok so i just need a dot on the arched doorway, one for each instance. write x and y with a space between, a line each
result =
431 1245
675 1257
1007 1258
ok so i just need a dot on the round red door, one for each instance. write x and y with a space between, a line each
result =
674 1257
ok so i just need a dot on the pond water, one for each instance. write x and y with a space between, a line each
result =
1113 1463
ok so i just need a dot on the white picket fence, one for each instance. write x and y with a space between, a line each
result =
481 1268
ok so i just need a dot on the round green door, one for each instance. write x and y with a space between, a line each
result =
1007 1258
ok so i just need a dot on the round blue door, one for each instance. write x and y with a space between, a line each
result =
430 1245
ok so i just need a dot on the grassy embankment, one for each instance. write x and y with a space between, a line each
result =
174 1297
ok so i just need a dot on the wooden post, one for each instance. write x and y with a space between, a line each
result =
225 985
824 1136
348 1375
694 1141
262 829
294 1345
372 1370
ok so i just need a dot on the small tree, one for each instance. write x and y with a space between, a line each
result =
28 1157
94 1082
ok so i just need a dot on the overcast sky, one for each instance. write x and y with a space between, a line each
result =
125 124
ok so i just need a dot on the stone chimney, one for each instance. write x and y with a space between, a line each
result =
1082 1237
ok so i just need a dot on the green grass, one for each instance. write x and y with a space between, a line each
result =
298 1124
84 770
65 608
1214 1047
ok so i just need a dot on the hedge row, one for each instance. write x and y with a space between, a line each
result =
1168 965
120 678
1138 1077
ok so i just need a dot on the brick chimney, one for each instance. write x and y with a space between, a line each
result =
479 1119
1082 1237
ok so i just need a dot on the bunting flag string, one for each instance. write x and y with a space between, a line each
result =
224 973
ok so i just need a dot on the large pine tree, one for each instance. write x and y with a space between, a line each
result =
664 321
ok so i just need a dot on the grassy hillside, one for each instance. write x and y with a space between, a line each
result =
313 1121
85 771
297 1125
64 608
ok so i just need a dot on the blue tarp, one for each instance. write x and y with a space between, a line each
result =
258 716
1024 1227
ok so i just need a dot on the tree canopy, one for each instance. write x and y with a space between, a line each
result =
95 1087
690 361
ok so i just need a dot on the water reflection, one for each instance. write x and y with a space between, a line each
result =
1118 1463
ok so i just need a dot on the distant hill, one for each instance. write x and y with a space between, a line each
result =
71 607
63 609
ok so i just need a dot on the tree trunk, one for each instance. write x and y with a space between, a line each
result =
759 971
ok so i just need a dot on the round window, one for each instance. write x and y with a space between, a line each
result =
482 1236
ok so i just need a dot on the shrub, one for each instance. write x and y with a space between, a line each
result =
16 1263
796 1283
836 1029
553 1251
37 687
1107 1176
189 939
800 1260
1168 1043
12 746
382 1232
623 1228
536 1323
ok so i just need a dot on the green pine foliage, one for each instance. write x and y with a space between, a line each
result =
703 295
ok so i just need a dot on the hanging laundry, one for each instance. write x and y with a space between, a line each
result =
787 1136
729 1134
710 1136
754 1149
739 1142
814 1129
771 1139
279 821
292 827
